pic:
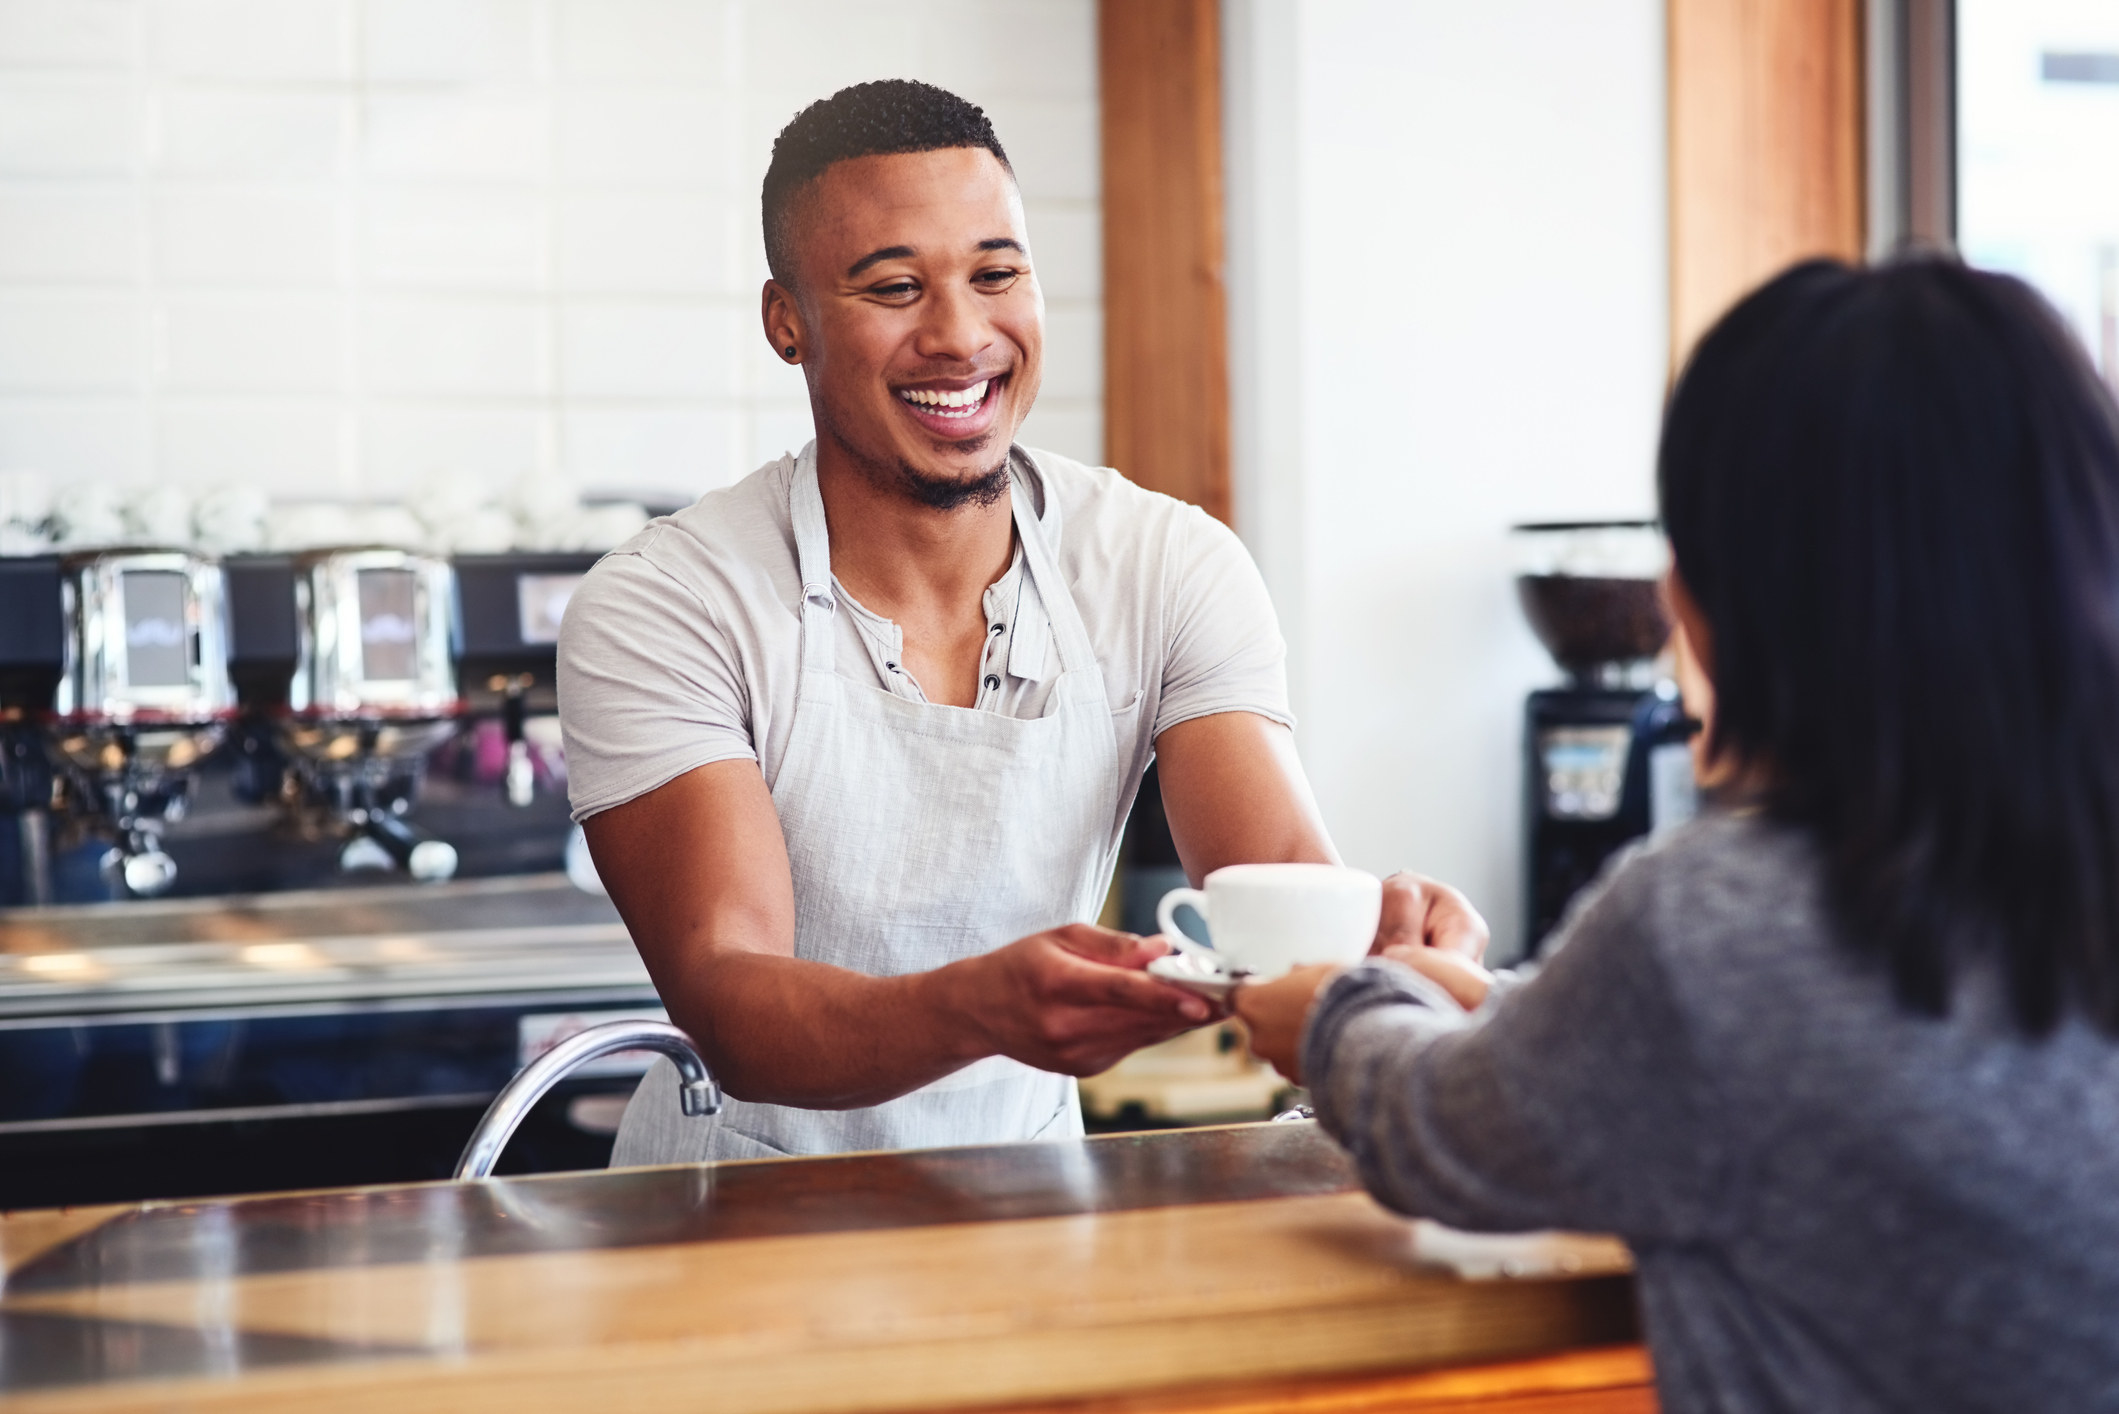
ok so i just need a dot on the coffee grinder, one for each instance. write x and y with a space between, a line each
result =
1607 757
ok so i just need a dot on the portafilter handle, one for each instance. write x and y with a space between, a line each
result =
416 852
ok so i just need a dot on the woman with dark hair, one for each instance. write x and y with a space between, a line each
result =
1840 1059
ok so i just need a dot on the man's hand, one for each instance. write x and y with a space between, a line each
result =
1277 1011
1420 913
1074 1000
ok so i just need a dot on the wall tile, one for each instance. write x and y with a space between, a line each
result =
453 347
482 138
247 235
54 232
408 449
291 449
1074 352
841 42
684 451
277 136
664 40
652 243
447 41
1053 144
74 127
1043 50
646 350
778 429
477 238
70 343
655 137
271 40
83 34
279 343
1068 242
768 377
1068 426
74 438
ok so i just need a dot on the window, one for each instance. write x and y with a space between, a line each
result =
2038 154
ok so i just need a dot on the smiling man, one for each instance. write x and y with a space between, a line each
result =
854 740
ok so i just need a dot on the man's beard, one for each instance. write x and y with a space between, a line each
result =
939 493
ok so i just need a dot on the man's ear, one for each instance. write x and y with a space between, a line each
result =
784 327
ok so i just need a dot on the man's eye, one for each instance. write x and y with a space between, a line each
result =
996 279
894 288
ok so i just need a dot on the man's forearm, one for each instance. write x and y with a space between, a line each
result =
781 1030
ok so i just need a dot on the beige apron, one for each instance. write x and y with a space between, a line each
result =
917 835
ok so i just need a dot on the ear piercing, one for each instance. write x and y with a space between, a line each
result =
790 353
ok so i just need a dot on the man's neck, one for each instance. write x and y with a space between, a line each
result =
904 559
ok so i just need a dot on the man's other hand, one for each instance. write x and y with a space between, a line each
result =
1421 913
1075 1000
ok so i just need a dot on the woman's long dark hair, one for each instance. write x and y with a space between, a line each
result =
1894 495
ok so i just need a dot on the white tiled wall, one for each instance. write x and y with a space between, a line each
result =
350 247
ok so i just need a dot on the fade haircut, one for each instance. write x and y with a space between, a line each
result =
876 119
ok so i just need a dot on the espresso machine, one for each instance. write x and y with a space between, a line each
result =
113 689
320 739
1607 756
373 693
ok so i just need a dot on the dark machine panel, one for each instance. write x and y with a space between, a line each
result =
32 632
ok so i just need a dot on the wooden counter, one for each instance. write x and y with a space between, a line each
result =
1225 1269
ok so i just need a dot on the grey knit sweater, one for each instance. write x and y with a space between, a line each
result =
1835 1204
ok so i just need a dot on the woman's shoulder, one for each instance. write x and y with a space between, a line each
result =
1730 885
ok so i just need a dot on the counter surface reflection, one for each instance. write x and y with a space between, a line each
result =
1181 1266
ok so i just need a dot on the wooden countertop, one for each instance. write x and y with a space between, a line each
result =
1229 1268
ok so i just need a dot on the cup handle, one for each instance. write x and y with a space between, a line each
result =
1166 922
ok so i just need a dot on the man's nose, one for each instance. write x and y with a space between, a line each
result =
954 328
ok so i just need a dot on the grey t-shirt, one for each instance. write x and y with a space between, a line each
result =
683 645
1835 1204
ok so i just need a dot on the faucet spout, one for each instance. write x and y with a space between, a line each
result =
698 1093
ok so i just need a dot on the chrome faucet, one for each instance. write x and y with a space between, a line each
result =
697 1092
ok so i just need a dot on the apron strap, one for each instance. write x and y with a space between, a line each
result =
1069 634
805 503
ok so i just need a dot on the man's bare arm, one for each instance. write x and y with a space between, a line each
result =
1235 793
699 871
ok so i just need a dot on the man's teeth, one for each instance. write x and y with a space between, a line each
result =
961 403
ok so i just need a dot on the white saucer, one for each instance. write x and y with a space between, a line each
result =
1197 974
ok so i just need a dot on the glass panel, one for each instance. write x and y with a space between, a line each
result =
542 599
156 642
389 625
2038 147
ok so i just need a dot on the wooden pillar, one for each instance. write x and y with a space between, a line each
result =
1166 366
1766 138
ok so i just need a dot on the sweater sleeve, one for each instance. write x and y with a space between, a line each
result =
1573 1101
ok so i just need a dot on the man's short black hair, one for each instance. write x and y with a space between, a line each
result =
867 120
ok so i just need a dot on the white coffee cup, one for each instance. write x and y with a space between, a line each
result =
1267 918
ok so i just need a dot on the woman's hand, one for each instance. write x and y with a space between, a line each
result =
1466 981
1419 913
1277 1011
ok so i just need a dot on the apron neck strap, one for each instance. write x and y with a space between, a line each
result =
1069 635
805 504
820 599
